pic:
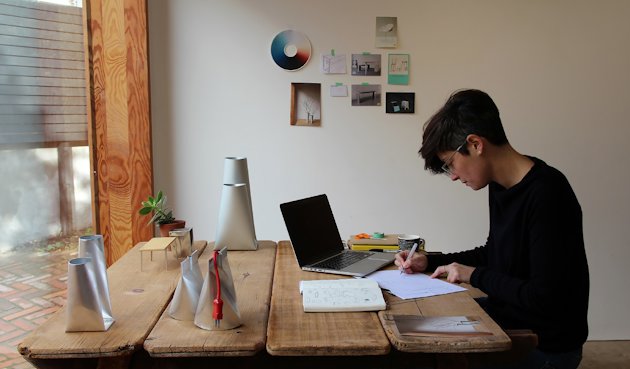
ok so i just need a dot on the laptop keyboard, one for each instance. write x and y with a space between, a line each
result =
342 260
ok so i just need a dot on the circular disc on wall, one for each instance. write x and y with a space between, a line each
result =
290 50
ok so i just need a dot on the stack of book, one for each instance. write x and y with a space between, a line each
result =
388 243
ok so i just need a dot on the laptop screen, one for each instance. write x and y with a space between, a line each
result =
312 229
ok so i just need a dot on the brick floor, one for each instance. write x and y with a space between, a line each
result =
32 288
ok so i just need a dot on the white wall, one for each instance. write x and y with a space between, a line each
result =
558 70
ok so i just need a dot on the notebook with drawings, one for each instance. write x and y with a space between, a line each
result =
317 244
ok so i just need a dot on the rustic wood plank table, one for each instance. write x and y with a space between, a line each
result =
292 332
253 275
358 339
138 299
454 304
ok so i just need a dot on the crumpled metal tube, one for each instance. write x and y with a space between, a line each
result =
186 297
91 246
231 316
84 307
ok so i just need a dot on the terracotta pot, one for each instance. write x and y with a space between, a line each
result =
165 228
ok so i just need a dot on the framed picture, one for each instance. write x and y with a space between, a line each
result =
306 102
400 102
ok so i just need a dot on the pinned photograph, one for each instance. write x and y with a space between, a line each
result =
398 69
386 32
366 95
366 64
333 64
400 102
338 90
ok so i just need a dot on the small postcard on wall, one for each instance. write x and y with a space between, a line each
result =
400 102
334 64
398 69
386 32
338 90
366 64
366 95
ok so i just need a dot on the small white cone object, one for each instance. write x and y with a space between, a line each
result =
186 297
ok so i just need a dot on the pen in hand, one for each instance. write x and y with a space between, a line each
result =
409 255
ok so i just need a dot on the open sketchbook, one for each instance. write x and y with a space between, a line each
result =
341 295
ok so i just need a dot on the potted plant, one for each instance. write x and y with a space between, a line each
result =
162 216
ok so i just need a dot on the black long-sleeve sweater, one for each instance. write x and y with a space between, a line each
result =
533 267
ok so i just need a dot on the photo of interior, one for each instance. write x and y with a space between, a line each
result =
149 151
400 102
366 95
366 64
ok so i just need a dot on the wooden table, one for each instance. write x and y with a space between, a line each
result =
454 304
253 276
292 332
358 339
138 299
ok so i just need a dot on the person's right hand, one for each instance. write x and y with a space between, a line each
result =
417 264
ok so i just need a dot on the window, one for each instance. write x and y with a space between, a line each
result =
45 191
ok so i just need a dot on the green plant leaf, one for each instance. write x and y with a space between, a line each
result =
157 206
155 218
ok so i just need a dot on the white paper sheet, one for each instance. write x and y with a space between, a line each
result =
334 64
411 286
338 90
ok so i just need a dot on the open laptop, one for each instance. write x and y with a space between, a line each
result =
318 245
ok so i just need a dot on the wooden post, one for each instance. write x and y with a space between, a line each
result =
121 128
66 188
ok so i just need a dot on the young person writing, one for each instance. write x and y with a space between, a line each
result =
533 265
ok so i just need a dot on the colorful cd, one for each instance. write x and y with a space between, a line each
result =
290 49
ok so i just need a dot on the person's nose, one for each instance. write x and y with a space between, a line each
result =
454 177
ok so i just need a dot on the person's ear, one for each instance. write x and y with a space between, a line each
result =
476 142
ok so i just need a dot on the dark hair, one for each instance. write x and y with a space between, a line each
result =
465 112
